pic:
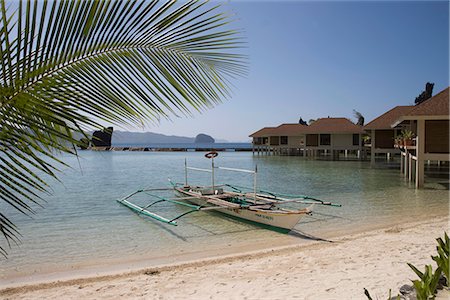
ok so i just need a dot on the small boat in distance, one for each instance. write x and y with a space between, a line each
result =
250 204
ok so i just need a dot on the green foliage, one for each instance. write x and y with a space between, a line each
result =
426 286
84 143
69 65
407 134
442 259
359 117
429 280
398 140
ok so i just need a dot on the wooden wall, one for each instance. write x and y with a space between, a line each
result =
274 140
312 140
384 138
436 136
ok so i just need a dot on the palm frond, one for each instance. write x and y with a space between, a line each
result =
70 65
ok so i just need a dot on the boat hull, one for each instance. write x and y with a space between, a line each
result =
284 221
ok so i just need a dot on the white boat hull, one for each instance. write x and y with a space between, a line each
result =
282 220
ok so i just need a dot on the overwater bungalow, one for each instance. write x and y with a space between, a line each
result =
429 121
324 137
382 134
260 139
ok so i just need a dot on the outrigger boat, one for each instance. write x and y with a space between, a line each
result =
249 204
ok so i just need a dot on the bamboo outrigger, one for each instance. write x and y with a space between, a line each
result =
250 204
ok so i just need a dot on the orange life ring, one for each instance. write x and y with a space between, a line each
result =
211 154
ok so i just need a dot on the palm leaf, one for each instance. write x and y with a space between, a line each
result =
70 65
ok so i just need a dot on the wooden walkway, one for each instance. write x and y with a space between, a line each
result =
157 149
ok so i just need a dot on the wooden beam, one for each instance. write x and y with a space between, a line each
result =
372 147
420 150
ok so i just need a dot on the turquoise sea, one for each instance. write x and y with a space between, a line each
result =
82 225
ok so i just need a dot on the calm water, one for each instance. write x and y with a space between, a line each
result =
83 225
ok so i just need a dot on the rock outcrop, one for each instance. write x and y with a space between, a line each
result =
203 139
102 138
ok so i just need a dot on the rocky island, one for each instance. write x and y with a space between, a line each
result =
203 139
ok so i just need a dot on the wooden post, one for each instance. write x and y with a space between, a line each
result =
410 167
420 151
401 162
372 147
406 163
360 148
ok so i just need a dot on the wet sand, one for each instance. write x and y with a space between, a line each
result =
336 269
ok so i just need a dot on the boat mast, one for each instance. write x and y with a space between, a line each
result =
185 172
254 180
212 173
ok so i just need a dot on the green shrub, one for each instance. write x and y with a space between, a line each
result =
426 286
443 249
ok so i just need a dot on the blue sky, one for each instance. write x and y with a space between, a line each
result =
319 59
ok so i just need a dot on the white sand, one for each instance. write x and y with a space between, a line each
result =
375 260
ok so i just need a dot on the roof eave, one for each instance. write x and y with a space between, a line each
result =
422 117
376 128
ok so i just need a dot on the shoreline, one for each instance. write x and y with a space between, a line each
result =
133 263
127 272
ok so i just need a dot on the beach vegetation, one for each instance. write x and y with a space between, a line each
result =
427 285
429 281
69 66
442 259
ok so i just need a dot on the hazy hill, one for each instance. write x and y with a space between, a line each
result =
142 138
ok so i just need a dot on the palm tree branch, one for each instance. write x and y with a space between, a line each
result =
124 62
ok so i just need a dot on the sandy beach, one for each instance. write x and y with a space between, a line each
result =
337 269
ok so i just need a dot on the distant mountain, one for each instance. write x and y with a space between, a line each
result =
128 138
121 138
131 138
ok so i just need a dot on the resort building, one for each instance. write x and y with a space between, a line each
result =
430 123
428 126
260 139
382 134
324 137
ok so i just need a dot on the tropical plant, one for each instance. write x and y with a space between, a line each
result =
68 66
398 140
366 138
427 285
407 134
442 259
359 117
